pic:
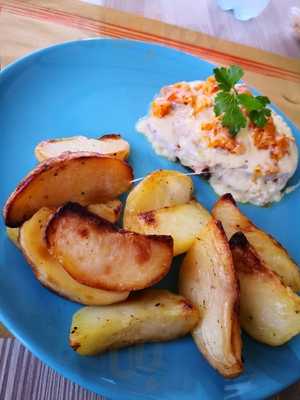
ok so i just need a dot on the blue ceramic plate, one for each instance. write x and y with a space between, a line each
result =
92 87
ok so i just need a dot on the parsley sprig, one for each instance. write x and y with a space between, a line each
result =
229 103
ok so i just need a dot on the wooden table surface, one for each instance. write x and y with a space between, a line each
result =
22 376
270 31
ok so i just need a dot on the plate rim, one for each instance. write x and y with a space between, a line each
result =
35 348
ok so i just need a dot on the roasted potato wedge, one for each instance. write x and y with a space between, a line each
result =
110 211
50 272
153 315
160 189
96 253
13 235
269 310
207 278
269 250
110 145
85 178
183 222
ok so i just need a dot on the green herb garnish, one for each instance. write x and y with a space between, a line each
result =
229 104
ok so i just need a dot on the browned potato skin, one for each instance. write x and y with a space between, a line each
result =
110 136
50 272
270 251
269 310
97 254
152 315
120 151
81 177
208 279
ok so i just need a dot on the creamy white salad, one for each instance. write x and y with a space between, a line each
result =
254 166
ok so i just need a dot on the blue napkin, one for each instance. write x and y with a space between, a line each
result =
244 9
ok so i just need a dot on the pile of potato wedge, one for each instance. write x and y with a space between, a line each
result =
64 214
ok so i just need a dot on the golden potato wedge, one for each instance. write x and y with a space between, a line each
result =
269 250
110 211
85 178
110 145
207 278
96 253
183 222
269 310
163 188
50 272
13 235
153 315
